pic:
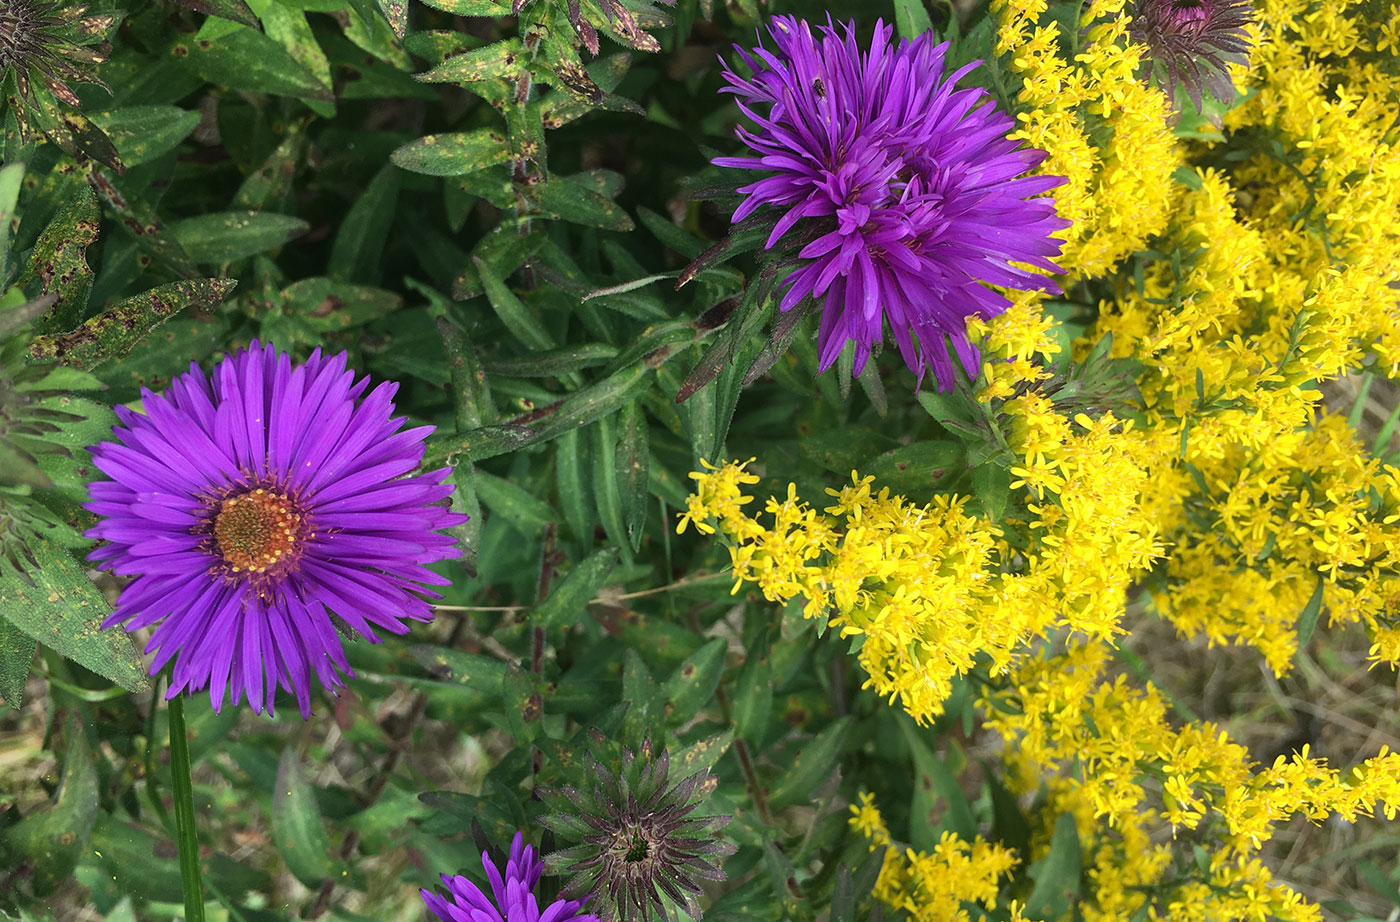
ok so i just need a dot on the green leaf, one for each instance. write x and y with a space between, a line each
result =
523 324
59 260
453 154
249 60
11 178
605 487
493 9
568 602
225 236
54 839
693 683
505 249
1307 621
455 448
1379 882
991 486
498 61
753 698
594 402
566 199
480 672
271 183
64 611
1056 875
143 133
114 332
916 470
813 764
911 18
552 363
297 830
235 10
359 244
632 462
514 505
575 499
933 782
639 692
16 656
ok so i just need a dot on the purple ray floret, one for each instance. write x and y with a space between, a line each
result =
260 510
512 897
905 195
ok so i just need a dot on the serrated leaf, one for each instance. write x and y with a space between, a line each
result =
693 683
113 333
568 601
16 656
64 611
453 154
813 764
143 133
297 830
225 236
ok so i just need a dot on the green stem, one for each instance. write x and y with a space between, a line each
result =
185 833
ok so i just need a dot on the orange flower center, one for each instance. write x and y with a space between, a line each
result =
257 530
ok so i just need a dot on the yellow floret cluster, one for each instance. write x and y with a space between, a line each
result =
1181 462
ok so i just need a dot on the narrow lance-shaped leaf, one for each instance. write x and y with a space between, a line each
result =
297 830
453 154
113 333
226 236
632 462
567 604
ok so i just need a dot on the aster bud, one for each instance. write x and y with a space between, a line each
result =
637 845
1192 42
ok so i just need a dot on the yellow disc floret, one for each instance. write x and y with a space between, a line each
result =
256 530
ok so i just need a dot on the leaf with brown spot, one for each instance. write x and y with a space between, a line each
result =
59 261
113 333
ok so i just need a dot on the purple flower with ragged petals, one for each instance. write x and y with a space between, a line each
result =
1193 41
512 896
263 510
907 197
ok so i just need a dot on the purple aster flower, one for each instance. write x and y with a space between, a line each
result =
262 510
514 893
1193 41
908 197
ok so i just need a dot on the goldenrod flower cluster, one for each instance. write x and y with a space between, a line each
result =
1105 132
930 589
932 886
1221 493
